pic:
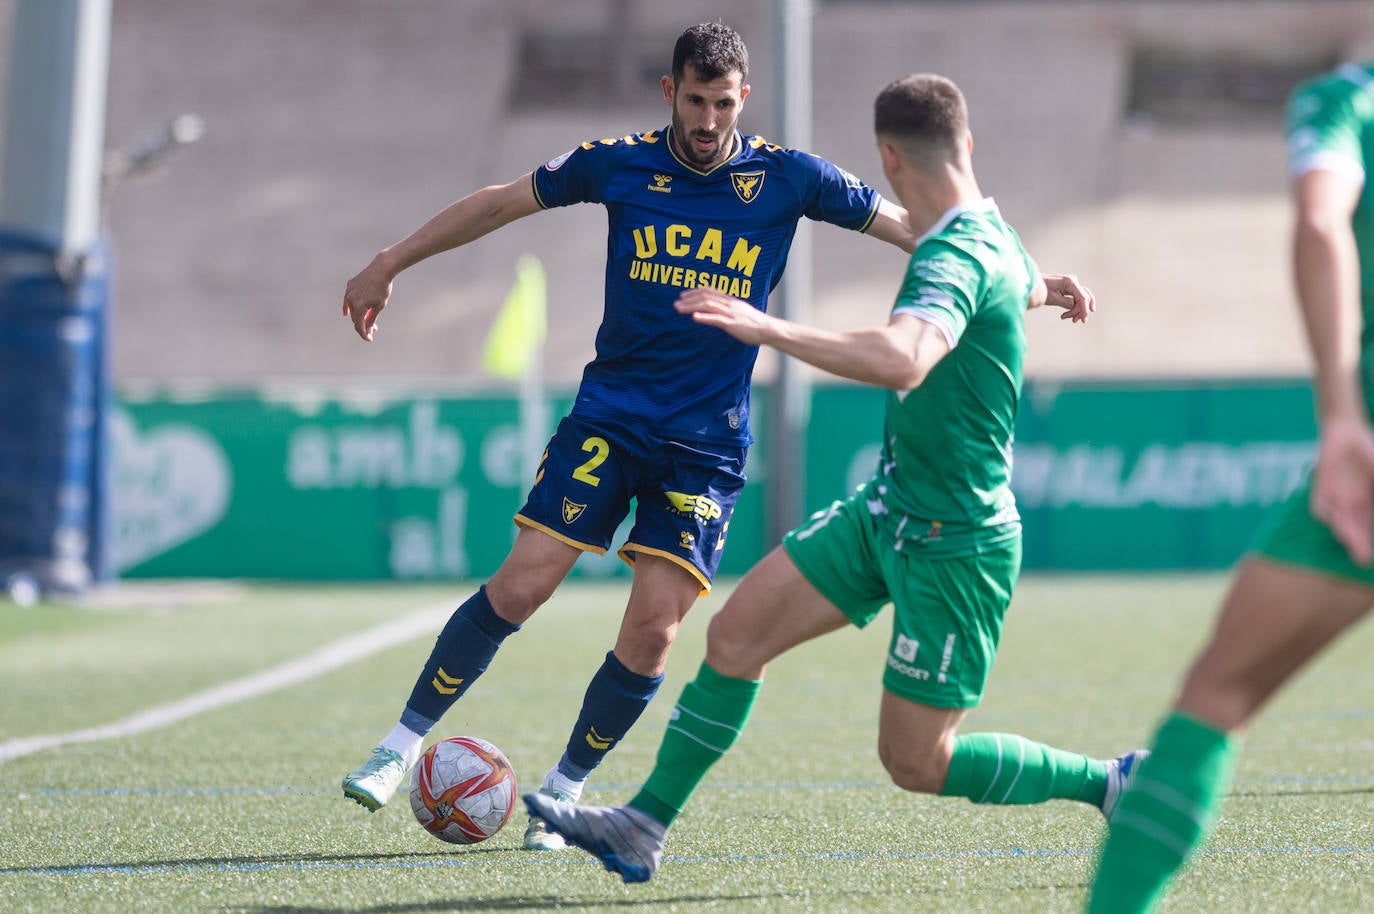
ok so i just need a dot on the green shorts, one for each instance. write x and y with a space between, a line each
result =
947 610
1292 536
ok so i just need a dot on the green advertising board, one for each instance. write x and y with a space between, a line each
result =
259 485
423 485
1136 477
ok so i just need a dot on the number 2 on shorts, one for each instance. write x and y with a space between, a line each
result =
599 450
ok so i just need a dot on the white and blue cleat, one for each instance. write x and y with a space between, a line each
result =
1121 772
373 782
538 837
625 840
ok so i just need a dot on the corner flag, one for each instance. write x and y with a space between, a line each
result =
517 334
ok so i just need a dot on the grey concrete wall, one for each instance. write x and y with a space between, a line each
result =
337 126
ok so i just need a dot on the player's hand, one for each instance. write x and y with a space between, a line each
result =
364 298
1343 486
1066 292
733 315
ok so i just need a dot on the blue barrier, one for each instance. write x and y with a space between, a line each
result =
53 392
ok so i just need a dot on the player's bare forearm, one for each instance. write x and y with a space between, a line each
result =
875 355
1330 309
1327 281
897 356
477 214
462 222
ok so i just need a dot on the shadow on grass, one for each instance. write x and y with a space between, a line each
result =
551 902
1301 792
512 903
245 862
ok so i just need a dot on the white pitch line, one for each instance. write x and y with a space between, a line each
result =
316 663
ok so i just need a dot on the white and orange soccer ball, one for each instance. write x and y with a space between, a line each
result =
463 790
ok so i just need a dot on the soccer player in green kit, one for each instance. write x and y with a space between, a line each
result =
935 531
1309 575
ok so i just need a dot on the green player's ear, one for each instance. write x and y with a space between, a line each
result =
888 154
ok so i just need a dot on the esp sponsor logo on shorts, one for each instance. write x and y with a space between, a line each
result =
702 507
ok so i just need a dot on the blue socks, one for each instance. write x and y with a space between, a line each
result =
614 700
461 653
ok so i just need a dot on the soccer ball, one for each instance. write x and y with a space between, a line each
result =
462 790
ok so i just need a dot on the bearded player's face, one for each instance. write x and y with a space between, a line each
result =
704 115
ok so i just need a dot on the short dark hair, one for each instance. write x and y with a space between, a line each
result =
923 113
713 49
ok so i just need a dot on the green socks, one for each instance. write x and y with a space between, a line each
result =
1159 822
1006 769
705 723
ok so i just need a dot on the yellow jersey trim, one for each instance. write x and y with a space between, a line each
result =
877 202
535 185
735 148
523 521
629 549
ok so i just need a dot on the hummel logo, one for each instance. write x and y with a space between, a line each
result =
661 183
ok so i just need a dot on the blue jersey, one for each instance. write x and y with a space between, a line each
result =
674 227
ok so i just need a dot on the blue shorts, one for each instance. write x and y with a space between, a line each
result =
684 495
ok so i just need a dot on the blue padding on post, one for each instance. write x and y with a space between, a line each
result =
52 390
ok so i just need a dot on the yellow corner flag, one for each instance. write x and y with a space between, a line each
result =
519 329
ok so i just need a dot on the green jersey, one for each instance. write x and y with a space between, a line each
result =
943 482
1331 127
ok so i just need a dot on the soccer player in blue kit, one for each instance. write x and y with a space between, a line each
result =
662 412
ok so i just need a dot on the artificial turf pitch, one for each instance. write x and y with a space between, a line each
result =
237 809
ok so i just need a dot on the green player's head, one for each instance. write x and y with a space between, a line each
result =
713 50
924 117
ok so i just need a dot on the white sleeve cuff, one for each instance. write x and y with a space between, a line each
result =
1326 160
935 318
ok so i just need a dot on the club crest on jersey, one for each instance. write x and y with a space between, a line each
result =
572 510
747 184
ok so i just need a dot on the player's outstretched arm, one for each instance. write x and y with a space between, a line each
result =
466 220
1327 276
898 356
